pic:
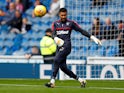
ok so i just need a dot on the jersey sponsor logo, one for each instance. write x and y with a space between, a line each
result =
62 32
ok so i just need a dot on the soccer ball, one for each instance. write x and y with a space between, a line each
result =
40 10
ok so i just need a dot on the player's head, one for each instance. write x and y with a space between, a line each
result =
63 14
121 25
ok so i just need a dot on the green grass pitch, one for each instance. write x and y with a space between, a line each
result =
67 86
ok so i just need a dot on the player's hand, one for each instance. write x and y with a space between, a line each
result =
27 56
96 40
59 41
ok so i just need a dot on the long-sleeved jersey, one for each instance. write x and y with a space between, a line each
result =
63 29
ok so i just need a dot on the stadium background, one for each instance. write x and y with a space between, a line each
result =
79 10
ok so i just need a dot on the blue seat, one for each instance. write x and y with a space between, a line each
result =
93 46
112 51
15 47
25 39
2 44
8 43
8 51
36 20
25 48
2 52
27 35
44 27
106 43
93 49
1 48
84 51
3 36
101 51
114 42
34 43
19 52
36 27
29 12
11 36
25 44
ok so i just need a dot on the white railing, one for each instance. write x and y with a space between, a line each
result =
93 68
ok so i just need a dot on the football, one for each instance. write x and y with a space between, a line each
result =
40 11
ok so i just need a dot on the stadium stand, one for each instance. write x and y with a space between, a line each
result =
81 47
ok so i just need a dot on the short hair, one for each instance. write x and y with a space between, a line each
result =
97 18
35 46
62 10
48 30
121 21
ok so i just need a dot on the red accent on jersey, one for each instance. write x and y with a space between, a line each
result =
61 28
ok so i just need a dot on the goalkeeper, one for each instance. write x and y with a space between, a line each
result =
61 33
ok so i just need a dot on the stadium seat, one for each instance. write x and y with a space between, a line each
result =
8 43
1 44
84 51
112 51
93 49
106 43
11 36
80 44
8 51
101 51
25 48
29 12
34 43
19 52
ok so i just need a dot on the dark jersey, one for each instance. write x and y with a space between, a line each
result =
63 29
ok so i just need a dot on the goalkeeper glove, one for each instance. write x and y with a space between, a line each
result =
59 41
96 40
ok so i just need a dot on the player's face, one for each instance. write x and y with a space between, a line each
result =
63 16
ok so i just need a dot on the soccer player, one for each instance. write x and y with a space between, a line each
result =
61 33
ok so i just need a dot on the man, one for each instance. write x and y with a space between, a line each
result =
61 33
9 14
96 29
121 37
26 26
48 47
34 52
110 30
16 22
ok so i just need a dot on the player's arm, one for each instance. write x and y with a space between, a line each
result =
53 30
57 40
76 27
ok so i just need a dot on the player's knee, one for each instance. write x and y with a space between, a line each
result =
56 59
63 68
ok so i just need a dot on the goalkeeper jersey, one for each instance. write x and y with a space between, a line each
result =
63 30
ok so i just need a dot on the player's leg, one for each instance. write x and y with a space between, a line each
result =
59 58
64 68
54 73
